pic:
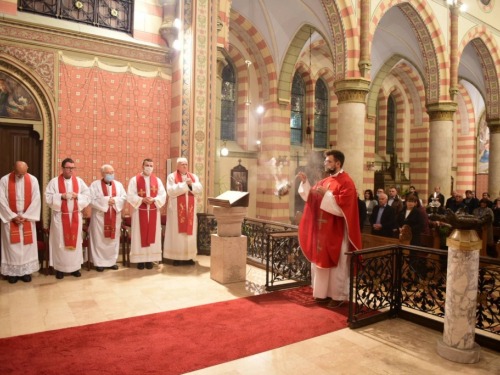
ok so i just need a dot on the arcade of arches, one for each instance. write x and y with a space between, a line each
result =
273 81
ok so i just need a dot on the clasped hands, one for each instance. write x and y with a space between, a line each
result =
69 196
19 220
148 200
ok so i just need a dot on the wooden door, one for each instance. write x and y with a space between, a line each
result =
21 142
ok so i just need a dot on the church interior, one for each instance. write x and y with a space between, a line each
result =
250 92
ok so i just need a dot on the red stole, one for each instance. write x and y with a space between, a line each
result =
147 213
70 229
185 215
321 233
15 234
109 222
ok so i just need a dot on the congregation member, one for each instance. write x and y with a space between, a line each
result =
437 194
379 192
487 197
471 201
183 189
413 218
496 213
329 229
362 214
459 204
19 210
66 196
451 201
383 219
108 198
370 203
412 190
482 211
394 201
147 195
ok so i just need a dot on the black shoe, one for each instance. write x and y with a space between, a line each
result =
115 267
140 266
99 269
26 278
59 275
13 279
177 263
190 262
149 265
76 273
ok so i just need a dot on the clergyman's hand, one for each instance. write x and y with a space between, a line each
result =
302 177
321 190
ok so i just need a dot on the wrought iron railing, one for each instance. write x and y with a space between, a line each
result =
394 278
279 254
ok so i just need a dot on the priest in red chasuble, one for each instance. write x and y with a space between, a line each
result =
329 228
147 195
19 210
66 195
184 189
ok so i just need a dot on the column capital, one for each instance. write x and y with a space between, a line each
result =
352 90
494 125
441 111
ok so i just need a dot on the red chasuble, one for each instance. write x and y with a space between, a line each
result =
147 213
185 215
321 233
15 234
70 229
110 214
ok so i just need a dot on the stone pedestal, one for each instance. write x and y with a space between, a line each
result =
228 257
458 344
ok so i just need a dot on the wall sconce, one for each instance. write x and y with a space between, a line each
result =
370 165
224 151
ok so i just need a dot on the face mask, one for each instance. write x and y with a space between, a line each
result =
109 177
148 169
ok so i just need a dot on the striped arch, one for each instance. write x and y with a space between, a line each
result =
327 75
260 54
344 28
382 122
290 60
466 141
430 38
242 86
320 47
488 53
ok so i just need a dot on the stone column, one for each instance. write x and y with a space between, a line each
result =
454 51
365 63
494 161
351 94
440 145
228 253
458 344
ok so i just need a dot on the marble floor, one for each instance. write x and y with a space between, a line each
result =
388 347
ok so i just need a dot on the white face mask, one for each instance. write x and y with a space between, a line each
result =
148 170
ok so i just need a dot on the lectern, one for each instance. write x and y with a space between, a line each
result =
228 255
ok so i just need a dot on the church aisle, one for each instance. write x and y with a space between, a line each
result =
382 348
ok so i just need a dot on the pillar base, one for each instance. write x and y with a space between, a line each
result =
228 259
459 355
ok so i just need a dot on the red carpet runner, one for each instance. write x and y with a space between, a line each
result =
174 342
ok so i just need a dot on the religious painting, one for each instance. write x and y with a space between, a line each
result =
15 100
483 147
239 178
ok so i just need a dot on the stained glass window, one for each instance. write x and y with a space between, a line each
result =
111 14
321 108
391 125
298 106
228 104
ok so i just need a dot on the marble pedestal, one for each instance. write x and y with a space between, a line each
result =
458 344
228 253
228 259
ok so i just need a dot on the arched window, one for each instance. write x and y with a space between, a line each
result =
321 108
228 104
391 125
298 108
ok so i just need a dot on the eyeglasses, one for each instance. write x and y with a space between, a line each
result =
70 168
